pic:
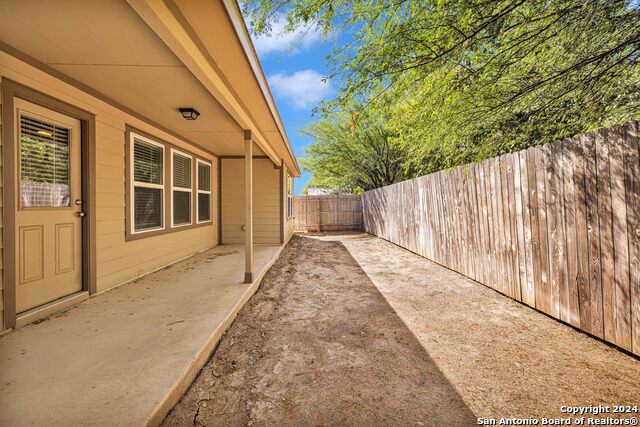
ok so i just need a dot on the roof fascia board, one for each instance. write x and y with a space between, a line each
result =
168 28
235 15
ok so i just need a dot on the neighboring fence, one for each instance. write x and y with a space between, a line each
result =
556 227
328 213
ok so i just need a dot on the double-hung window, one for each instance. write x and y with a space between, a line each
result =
289 196
170 189
181 188
147 184
203 201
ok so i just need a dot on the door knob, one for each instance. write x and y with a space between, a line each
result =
78 202
80 214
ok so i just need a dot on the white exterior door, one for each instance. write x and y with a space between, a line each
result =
49 206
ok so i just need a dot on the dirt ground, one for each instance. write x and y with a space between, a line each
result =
352 330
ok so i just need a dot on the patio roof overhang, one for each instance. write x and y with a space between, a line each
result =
151 57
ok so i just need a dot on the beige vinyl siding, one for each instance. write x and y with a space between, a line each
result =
119 261
266 203
1 223
288 222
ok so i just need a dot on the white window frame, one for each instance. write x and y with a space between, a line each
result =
190 190
134 184
290 197
199 191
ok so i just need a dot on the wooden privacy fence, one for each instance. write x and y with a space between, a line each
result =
556 227
328 213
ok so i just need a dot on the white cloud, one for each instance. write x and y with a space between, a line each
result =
303 89
280 41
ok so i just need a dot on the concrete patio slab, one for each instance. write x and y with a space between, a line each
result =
126 357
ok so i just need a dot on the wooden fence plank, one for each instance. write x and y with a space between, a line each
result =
528 291
584 292
456 188
571 297
482 219
477 223
542 161
441 220
559 241
512 243
437 220
606 234
446 218
496 194
421 219
472 226
453 217
493 269
519 224
505 228
458 221
632 183
553 219
593 235
617 152
533 172
468 223
476 227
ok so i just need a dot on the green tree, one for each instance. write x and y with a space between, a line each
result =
463 80
353 156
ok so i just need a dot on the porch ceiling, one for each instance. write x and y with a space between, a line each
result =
108 47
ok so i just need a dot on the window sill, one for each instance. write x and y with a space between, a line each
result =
129 237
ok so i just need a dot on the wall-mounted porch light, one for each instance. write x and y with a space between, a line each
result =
189 113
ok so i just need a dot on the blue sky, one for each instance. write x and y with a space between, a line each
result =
295 66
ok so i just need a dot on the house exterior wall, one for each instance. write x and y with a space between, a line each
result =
288 221
266 204
117 260
2 327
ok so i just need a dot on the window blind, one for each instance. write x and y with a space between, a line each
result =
181 207
147 162
148 175
181 171
289 196
182 180
204 177
204 192
204 207
44 164
148 208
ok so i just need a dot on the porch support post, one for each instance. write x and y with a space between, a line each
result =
283 198
248 194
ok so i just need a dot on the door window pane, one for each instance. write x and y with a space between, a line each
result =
44 164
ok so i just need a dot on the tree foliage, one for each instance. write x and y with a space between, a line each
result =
463 80
354 157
